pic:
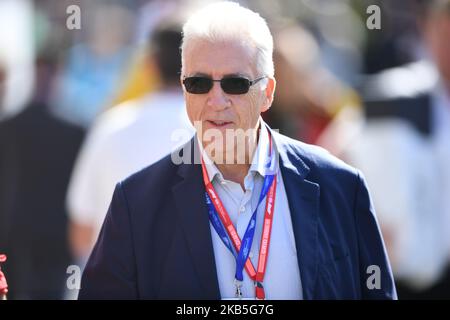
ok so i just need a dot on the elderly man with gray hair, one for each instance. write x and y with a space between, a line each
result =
241 211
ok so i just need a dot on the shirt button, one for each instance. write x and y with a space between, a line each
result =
223 182
250 254
242 209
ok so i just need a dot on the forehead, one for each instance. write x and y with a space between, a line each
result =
219 59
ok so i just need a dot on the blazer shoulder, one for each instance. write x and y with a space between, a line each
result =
156 174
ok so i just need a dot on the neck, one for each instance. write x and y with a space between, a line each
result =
234 172
237 169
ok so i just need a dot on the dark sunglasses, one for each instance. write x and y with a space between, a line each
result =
230 85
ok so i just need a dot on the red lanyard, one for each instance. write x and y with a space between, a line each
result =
256 276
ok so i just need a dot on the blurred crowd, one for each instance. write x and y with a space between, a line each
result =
83 108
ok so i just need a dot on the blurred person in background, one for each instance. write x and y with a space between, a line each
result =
16 54
141 77
396 43
335 25
309 97
3 283
2 83
435 27
95 67
36 158
403 151
127 138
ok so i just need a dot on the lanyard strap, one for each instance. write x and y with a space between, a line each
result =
221 222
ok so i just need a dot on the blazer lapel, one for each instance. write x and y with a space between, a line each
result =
189 197
303 199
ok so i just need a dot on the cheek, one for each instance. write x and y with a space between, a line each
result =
257 100
193 108
252 109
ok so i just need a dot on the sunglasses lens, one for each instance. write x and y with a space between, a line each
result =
235 85
197 85
232 85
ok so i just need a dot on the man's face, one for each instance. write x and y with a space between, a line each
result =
217 109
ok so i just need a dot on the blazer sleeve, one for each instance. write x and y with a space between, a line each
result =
376 277
111 269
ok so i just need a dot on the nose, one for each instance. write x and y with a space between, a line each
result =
217 99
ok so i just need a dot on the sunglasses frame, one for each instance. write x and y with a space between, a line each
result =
249 82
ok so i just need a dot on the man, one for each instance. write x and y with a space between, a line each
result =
36 146
174 230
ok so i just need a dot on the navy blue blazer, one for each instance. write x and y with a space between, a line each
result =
155 242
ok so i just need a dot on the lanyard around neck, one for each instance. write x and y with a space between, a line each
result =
221 222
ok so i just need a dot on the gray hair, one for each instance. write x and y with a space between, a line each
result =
228 21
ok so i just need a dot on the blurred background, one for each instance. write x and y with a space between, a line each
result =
89 94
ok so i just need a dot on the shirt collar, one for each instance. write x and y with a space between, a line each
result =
261 155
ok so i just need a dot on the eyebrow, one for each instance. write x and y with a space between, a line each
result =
230 75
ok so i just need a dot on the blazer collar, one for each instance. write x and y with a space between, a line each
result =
304 204
189 196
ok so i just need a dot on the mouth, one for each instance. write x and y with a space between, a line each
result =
219 124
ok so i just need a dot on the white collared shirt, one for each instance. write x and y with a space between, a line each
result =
282 277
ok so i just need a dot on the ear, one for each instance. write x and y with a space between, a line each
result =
269 94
